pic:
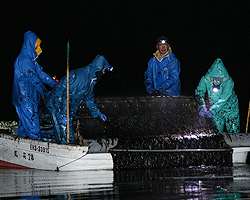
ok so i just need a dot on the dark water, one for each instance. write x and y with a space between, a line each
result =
191 183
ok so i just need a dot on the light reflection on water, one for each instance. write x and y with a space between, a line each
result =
16 183
193 183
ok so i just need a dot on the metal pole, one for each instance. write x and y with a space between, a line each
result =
68 92
248 113
167 150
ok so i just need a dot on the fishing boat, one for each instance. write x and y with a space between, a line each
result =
25 153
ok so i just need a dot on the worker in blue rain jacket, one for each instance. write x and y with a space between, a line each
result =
28 86
222 101
162 74
81 85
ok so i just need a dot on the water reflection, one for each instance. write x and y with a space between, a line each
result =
19 183
175 183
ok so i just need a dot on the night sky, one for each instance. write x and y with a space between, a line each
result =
125 32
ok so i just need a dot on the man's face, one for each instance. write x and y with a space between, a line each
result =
163 48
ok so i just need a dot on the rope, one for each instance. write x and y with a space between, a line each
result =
57 168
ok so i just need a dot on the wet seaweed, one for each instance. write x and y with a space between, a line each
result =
156 123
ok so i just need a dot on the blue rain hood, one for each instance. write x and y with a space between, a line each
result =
28 47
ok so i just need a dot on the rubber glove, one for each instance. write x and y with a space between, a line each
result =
203 111
160 90
151 91
103 117
64 120
209 114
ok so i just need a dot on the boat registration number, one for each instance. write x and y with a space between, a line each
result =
39 148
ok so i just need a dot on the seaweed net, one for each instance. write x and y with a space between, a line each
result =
145 116
150 123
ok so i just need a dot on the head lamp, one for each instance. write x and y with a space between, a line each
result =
110 69
163 41
216 88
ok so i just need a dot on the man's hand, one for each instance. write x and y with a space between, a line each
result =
54 77
64 120
209 114
203 111
103 117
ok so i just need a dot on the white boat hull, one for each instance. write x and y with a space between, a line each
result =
240 154
240 143
18 152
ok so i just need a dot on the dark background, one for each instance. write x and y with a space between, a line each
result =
125 33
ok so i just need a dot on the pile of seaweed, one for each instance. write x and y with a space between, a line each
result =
147 127
142 116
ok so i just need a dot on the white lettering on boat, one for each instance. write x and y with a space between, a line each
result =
39 148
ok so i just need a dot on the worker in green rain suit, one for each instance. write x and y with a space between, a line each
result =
223 102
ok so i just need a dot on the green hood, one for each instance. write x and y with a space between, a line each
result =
217 70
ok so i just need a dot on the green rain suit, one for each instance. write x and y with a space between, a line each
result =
223 102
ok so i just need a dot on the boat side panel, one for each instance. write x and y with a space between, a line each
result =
237 139
43 155
240 154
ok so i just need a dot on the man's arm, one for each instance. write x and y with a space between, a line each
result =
33 77
45 77
92 106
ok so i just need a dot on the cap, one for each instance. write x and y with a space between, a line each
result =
162 40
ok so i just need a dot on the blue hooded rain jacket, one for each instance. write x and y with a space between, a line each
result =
28 87
162 75
81 85
223 101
